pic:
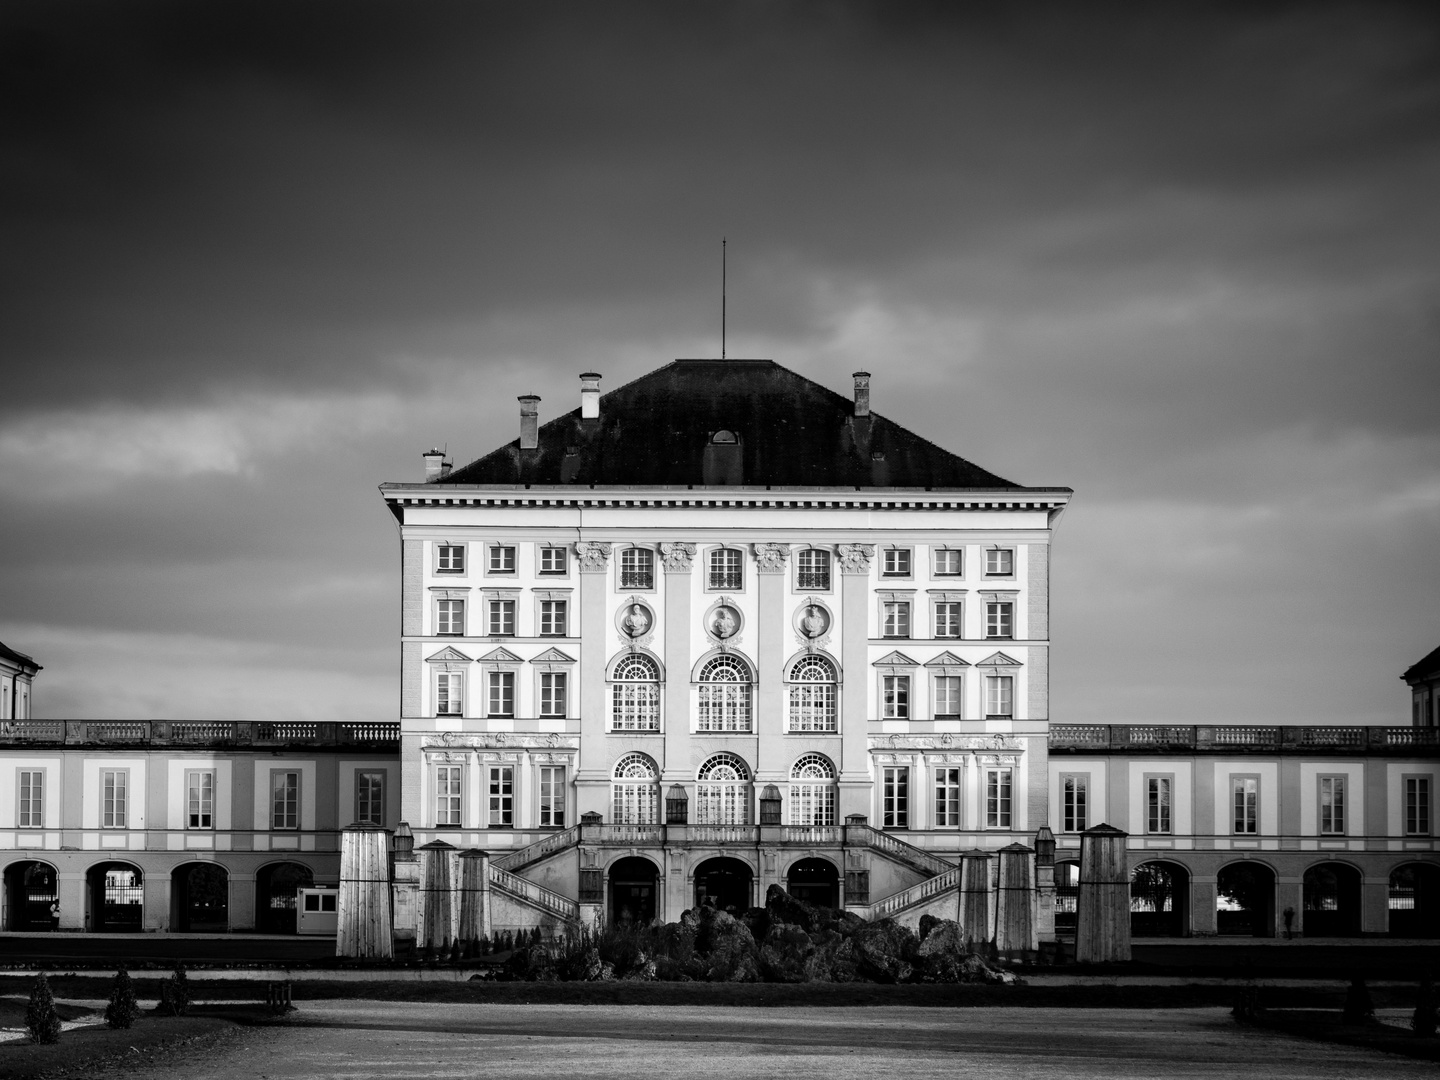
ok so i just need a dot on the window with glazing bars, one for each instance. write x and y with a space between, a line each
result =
32 799
1332 805
447 794
812 695
1245 792
500 786
554 686
1157 804
895 697
554 560
450 616
502 559
635 695
949 562
450 559
113 783
635 791
724 695
896 563
552 796
370 797
896 619
200 799
727 568
999 696
1417 806
812 569
999 620
947 618
637 568
449 693
947 696
895 796
812 791
284 800
1073 795
553 618
947 798
502 618
500 699
997 798
999 562
722 791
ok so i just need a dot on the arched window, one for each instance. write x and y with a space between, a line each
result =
635 695
812 695
812 791
723 791
725 695
635 791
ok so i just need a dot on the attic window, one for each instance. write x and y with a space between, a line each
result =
724 437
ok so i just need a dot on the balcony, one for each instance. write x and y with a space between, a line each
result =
212 734
1242 739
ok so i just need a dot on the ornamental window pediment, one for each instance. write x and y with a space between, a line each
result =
501 655
448 655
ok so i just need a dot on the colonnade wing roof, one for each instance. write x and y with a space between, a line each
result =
722 423
1427 668
7 653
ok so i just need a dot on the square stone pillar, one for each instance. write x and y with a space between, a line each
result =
1102 921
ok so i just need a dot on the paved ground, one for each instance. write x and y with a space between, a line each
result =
384 1040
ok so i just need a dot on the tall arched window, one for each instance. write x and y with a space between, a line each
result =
812 791
723 791
725 695
635 791
812 695
635 695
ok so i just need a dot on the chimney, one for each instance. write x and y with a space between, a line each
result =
862 393
590 396
434 464
529 421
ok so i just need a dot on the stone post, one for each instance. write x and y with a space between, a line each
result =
437 929
1015 901
975 897
474 895
1044 884
404 888
1102 921
366 925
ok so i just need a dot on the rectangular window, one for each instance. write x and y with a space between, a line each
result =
812 569
554 560
727 569
553 693
999 562
947 798
1157 804
947 696
997 798
1245 798
552 618
502 559
896 795
1417 806
501 795
552 796
896 619
637 568
1332 805
896 694
949 562
32 798
501 618
1000 697
449 559
285 800
1074 815
500 698
450 616
200 799
896 563
114 795
370 797
947 618
449 694
447 794
999 620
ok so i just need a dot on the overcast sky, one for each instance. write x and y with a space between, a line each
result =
255 258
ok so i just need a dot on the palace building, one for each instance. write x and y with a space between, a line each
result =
718 629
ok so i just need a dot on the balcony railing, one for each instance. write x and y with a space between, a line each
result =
1239 738
201 733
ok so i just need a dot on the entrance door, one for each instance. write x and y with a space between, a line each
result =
725 883
117 898
815 881
30 895
633 889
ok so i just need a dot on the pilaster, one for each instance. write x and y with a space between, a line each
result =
677 559
854 764
770 563
593 560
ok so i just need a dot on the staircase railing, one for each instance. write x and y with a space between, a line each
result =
883 842
540 849
533 894
916 894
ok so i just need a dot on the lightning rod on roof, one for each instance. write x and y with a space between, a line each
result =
722 297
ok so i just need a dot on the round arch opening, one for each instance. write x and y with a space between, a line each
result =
200 898
32 899
116 893
1245 900
815 881
1414 901
1159 900
1331 894
725 883
634 892
276 887
1067 896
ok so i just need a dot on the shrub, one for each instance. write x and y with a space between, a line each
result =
123 1008
175 994
41 1019
1422 1021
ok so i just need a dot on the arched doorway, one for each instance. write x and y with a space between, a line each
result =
634 890
1332 900
1067 897
200 896
1159 900
117 898
1245 900
725 882
30 896
1415 900
815 881
275 889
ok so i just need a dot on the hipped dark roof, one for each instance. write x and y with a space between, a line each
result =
10 654
1427 668
791 432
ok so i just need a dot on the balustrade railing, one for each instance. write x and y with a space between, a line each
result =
811 834
724 834
1297 738
897 849
543 848
190 733
562 906
925 890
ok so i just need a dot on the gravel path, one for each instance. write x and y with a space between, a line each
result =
385 1040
